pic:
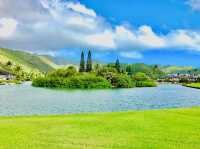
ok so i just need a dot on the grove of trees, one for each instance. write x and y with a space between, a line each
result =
102 76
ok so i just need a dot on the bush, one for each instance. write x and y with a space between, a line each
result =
145 84
76 82
122 81
140 77
69 72
184 80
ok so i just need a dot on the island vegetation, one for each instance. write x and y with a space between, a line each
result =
94 77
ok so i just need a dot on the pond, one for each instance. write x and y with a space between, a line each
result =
26 100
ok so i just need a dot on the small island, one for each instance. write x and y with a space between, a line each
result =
95 76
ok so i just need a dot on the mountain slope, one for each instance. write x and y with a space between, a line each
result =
176 69
29 62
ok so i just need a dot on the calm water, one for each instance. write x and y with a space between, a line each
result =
26 100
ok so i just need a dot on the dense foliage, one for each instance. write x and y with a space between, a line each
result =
152 71
63 72
107 76
75 82
18 72
100 77
142 80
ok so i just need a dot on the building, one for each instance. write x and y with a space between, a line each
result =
180 77
5 75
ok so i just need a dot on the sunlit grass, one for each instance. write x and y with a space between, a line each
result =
193 85
156 129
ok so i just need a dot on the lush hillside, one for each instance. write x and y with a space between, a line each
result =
29 62
153 71
176 69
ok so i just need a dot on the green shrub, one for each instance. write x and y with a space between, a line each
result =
122 81
76 82
145 84
64 72
140 76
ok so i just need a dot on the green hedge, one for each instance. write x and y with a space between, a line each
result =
145 84
75 82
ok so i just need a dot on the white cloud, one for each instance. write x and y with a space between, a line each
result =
195 4
102 40
81 9
7 27
184 39
132 55
55 24
145 38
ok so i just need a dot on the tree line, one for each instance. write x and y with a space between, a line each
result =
101 76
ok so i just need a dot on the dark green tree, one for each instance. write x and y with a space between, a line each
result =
89 62
129 70
82 63
117 65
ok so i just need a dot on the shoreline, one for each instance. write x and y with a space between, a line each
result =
98 113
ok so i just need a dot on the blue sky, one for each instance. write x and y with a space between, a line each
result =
163 32
162 15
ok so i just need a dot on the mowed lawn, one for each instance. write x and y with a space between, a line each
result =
156 129
193 85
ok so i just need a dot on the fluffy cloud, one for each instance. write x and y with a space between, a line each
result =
7 27
81 9
143 38
195 4
54 24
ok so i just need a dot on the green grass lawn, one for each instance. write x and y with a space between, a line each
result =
193 85
157 129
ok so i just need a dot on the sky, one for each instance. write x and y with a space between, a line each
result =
163 32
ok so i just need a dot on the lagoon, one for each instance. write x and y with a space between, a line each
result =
27 100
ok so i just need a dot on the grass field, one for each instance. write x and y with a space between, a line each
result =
157 129
193 85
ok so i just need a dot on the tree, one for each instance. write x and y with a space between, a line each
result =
89 62
140 76
117 65
9 63
129 69
82 63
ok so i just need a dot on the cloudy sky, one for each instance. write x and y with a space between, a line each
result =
153 32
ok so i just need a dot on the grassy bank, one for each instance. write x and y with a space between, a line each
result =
158 129
3 82
193 85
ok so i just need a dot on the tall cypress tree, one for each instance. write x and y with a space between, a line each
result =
117 65
82 63
89 62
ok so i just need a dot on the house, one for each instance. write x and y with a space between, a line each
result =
5 75
180 77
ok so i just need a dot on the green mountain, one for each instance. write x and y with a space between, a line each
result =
29 62
177 69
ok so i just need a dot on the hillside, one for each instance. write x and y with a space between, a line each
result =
29 62
176 69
